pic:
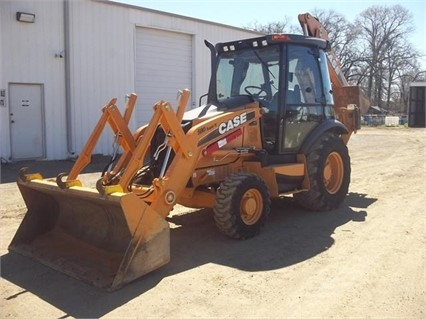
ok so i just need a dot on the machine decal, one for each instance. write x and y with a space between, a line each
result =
222 142
235 122
227 126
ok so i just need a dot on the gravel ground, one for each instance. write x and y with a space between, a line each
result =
364 260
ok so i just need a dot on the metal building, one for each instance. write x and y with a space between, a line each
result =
61 61
417 105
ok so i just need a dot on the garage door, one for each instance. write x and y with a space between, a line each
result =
163 67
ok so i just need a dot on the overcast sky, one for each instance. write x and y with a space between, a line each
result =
241 13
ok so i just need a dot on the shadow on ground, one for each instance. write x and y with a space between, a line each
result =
290 236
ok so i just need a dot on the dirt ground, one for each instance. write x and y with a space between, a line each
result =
366 259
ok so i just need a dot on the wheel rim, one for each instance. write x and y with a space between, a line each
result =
251 206
333 173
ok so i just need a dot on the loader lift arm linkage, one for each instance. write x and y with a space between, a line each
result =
135 147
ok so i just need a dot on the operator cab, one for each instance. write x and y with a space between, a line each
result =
286 74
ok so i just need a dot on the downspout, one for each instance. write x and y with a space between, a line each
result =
68 113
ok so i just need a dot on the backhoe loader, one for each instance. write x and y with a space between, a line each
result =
278 116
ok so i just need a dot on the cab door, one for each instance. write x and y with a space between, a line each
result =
304 99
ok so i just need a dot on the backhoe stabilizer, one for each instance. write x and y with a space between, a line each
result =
104 240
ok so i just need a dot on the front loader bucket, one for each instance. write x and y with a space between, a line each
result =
104 240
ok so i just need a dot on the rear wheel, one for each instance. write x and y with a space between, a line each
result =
242 205
329 173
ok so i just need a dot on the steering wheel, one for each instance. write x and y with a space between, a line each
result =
258 94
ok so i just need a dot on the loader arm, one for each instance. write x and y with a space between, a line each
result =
126 157
112 116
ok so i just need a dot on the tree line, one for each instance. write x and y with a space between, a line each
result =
374 51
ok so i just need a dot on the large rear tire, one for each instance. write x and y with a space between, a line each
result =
242 205
329 171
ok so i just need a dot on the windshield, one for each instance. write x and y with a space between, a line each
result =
252 71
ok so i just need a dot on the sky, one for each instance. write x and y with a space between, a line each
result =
242 13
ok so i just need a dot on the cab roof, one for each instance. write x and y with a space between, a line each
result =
271 39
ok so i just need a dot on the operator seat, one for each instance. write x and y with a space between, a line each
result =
293 96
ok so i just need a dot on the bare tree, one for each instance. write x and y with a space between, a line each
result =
271 27
383 30
401 66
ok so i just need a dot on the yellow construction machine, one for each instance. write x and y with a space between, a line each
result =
278 116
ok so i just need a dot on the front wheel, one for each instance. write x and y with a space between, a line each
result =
329 171
242 205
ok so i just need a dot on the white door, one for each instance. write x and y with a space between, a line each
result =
26 121
163 67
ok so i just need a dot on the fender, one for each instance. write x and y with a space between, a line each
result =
327 125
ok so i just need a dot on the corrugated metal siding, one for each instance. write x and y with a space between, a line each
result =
102 63
104 38
163 66
28 56
201 30
102 53
4 123
417 105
